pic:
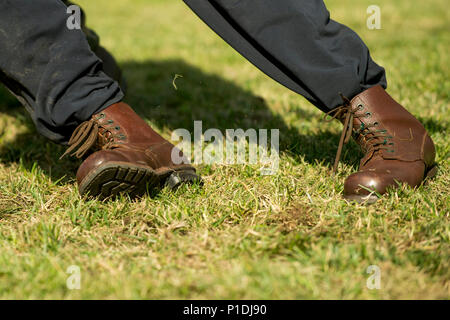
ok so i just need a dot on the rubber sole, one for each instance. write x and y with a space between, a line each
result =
111 179
372 198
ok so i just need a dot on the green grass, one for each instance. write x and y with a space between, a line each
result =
242 235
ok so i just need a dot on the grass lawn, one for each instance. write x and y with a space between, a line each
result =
241 235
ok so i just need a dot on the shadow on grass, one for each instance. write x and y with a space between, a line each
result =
220 104
217 102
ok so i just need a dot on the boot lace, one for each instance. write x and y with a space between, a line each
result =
374 139
90 135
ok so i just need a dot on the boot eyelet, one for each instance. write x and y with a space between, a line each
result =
375 123
110 121
368 114
360 107
101 116
117 128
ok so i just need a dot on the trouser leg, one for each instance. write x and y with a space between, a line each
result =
110 65
296 43
51 69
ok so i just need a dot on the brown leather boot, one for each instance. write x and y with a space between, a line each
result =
128 156
397 147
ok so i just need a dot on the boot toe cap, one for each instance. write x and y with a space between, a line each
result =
365 183
377 180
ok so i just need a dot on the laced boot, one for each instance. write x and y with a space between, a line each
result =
125 155
397 148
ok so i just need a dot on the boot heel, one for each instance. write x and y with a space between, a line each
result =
431 172
177 178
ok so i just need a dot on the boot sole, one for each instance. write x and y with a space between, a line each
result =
369 199
111 179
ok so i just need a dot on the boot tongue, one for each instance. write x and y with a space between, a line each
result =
370 151
104 136
354 126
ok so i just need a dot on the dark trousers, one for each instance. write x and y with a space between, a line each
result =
50 68
54 73
296 43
